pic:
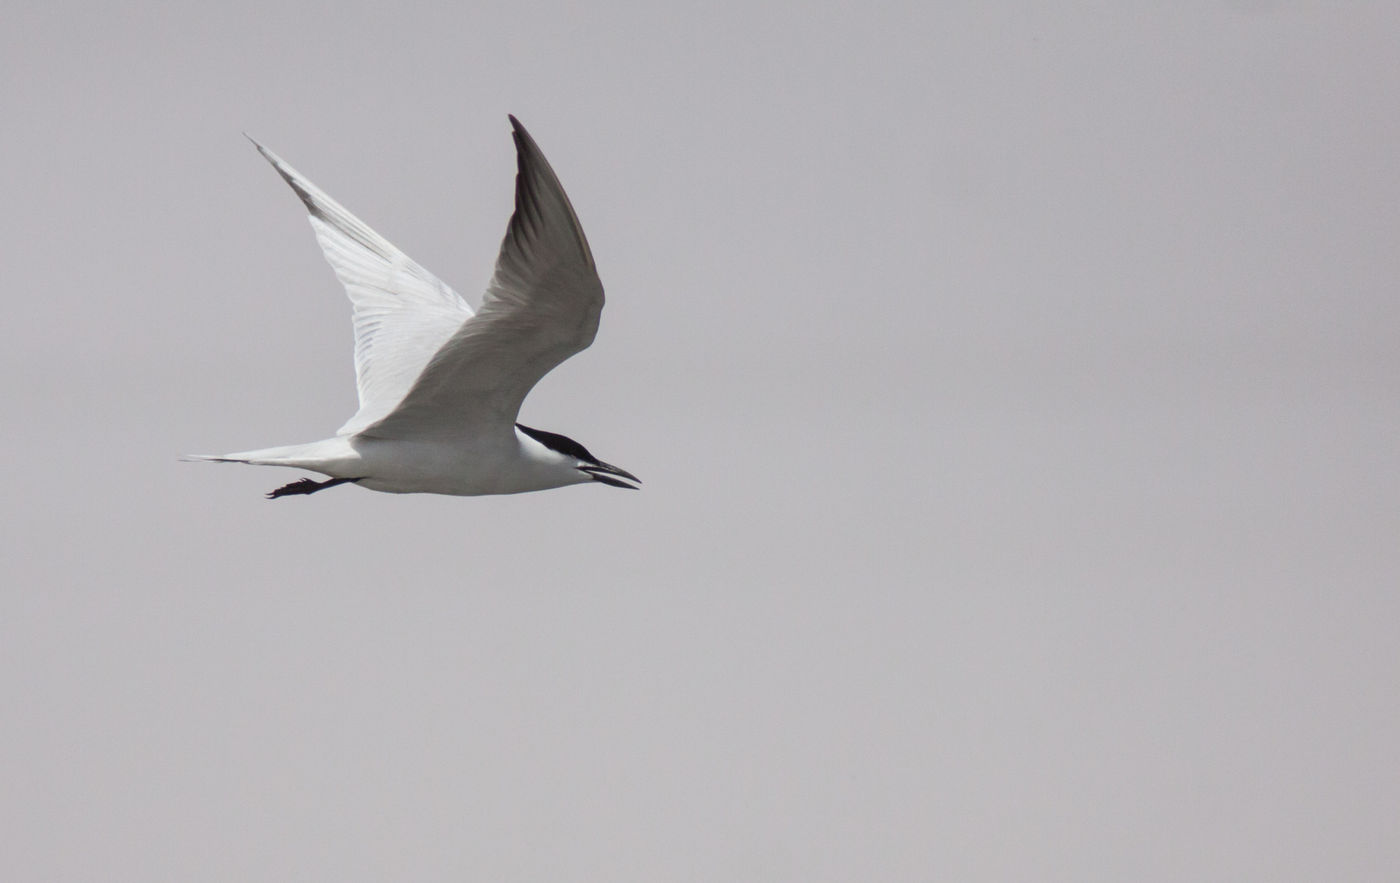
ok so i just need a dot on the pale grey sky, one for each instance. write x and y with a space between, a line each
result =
1017 394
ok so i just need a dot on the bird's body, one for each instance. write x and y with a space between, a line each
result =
440 386
488 464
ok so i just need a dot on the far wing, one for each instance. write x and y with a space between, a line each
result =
402 313
541 307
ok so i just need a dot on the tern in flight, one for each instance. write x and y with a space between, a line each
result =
440 386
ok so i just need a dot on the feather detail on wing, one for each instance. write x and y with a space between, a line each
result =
541 307
402 313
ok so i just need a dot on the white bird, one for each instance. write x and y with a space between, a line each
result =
440 387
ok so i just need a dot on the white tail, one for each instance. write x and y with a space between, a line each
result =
321 456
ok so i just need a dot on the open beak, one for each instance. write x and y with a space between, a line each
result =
610 475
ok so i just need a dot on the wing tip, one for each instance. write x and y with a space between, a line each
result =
524 142
290 175
267 154
536 183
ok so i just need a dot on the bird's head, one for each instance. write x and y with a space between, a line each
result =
587 466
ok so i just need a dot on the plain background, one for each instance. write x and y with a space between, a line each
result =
1016 389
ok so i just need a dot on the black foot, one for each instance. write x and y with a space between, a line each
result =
306 486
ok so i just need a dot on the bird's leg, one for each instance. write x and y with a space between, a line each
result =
306 486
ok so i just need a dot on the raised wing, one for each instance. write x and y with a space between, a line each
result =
402 313
541 307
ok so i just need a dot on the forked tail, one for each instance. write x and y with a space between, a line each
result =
316 456
332 457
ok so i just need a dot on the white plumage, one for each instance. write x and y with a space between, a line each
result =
440 387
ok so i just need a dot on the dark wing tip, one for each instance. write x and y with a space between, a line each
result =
519 133
527 153
537 190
